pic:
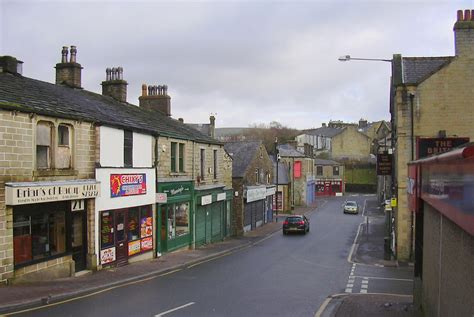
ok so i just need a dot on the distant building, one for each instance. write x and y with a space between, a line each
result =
329 178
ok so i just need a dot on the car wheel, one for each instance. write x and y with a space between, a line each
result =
284 232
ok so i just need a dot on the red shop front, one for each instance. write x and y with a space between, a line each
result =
329 187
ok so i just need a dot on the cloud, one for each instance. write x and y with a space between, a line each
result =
249 62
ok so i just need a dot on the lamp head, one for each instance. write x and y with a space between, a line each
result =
345 58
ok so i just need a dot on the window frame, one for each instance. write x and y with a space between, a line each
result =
127 148
173 157
319 170
215 164
49 147
203 163
335 170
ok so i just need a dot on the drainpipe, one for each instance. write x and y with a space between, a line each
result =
412 134
155 206
193 200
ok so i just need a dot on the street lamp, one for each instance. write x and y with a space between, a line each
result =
276 192
347 58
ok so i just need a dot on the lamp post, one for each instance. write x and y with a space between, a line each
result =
387 238
276 178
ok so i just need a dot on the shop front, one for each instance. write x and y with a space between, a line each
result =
254 207
125 216
175 215
213 214
50 223
310 191
270 198
329 187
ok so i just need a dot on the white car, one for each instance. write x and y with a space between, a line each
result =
351 207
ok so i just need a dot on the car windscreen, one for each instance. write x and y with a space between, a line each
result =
294 219
351 204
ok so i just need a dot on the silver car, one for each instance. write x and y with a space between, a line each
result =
351 207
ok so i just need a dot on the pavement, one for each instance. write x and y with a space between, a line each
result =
368 250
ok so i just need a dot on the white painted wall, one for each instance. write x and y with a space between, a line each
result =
111 147
142 150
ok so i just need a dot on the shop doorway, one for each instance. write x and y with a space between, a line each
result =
78 239
121 244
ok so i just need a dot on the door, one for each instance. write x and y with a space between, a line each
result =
208 224
121 244
327 188
78 239
164 224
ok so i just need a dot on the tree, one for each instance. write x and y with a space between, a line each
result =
268 133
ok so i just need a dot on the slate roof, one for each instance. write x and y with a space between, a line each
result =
204 128
325 162
287 150
34 96
324 131
283 177
416 69
242 154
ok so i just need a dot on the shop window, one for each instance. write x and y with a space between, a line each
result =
215 164
107 230
335 170
140 230
203 163
319 170
43 145
128 148
38 235
178 220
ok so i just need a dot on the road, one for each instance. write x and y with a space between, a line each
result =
280 276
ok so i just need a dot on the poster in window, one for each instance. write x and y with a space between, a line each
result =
146 227
107 255
147 244
133 247
107 230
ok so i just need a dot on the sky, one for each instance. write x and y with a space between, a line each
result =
246 62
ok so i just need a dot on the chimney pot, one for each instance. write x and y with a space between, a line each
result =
144 90
472 15
460 15
120 73
107 74
181 120
64 53
467 15
73 54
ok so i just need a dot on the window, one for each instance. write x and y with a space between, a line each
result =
128 148
268 177
63 135
257 175
107 230
177 157
43 145
335 170
173 156
319 170
38 235
203 165
297 169
178 219
181 157
215 164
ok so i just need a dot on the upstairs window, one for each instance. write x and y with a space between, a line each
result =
215 164
128 149
173 157
319 170
43 145
257 175
335 170
181 158
203 163
177 157
63 135
63 151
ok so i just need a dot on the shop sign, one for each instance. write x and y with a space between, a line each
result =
147 244
161 198
255 194
221 196
432 146
107 255
127 185
133 247
206 200
384 164
172 190
16 194
270 191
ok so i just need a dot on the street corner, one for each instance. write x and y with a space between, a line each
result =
330 305
367 305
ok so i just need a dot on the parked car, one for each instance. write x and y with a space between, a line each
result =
351 207
296 223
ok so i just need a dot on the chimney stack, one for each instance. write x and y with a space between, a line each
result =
212 126
114 86
156 98
69 73
9 64
464 33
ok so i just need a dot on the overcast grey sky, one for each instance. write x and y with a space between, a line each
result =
249 62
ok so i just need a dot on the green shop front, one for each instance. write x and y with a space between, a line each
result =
213 214
175 214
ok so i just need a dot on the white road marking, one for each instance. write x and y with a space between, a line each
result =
364 286
348 290
175 309
363 291
385 278
349 285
